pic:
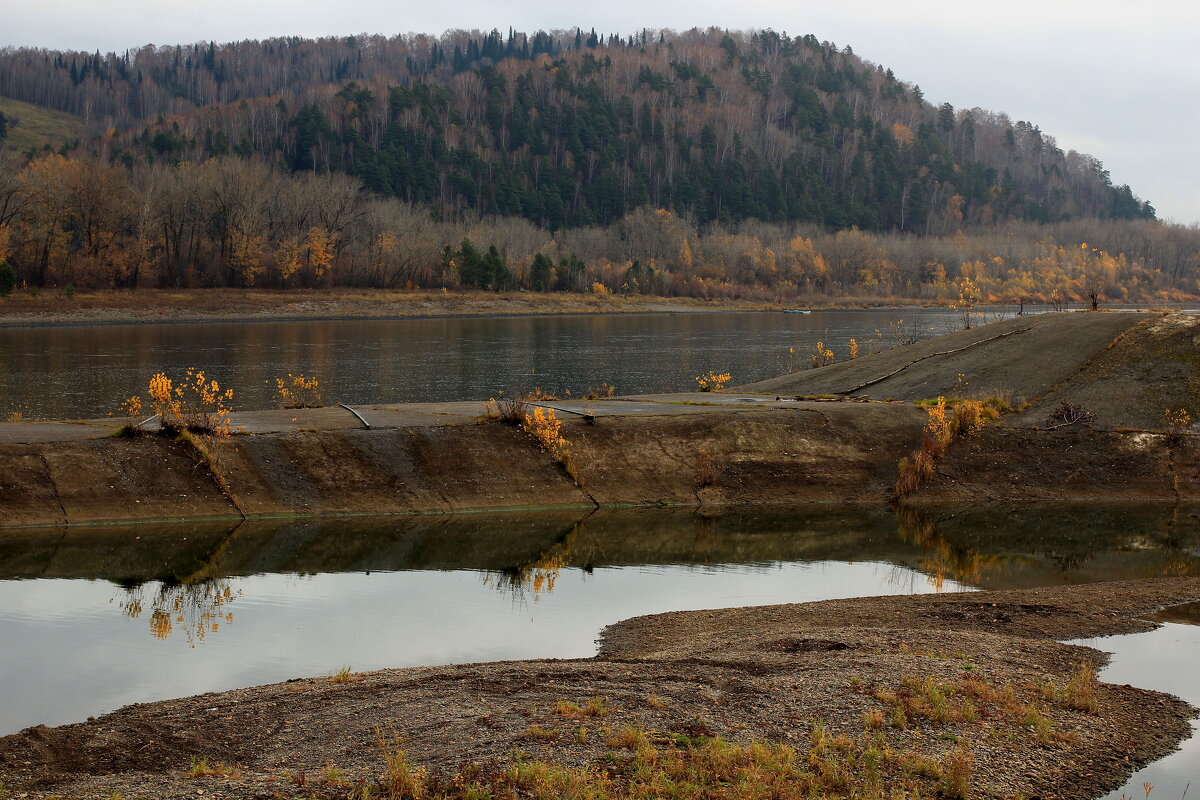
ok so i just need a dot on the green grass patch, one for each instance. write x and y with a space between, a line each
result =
37 126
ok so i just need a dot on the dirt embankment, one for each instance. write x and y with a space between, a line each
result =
859 668
641 453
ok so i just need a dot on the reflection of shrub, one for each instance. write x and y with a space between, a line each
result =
1179 422
297 391
198 609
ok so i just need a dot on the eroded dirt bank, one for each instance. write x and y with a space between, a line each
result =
679 451
447 459
898 671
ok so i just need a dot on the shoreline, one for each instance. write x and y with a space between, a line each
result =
766 674
201 306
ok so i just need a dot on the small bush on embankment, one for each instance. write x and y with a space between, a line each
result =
948 420
192 403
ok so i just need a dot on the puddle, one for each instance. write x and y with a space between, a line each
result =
1164 660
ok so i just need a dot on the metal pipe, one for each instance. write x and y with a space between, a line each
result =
361 418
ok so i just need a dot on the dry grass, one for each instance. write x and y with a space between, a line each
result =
202 768
509 409
344 675
1080 690
707 471
536 732
208 456
914 472
594 707
600 392
933 756
37 126
660 767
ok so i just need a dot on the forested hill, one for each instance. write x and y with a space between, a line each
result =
571 129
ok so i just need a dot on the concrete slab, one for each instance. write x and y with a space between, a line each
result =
40 432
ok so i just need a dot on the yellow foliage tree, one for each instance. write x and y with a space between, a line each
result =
320 251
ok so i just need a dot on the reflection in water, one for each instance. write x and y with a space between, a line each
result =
198 609
424 590
941 558
537 575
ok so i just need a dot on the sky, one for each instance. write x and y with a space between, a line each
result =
1119 79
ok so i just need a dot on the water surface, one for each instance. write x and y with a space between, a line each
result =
86 371
91 622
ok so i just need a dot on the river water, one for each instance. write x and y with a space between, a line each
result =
86 371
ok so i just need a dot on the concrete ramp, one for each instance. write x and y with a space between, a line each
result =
1024 357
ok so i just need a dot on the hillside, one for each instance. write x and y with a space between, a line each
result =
30 127
568 129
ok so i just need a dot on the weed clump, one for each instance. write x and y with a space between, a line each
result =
202 768
511 410
1179 422
712 382
594 707
822 356
297 391
1080 691
344 675
600 392
194 403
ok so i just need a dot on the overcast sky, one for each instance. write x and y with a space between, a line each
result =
1119 80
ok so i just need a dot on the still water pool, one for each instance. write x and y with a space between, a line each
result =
90 622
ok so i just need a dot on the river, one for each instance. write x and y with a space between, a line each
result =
76 372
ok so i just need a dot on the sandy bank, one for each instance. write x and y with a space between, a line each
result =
148 306
768 673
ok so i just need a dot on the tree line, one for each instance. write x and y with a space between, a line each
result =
85 222
573 129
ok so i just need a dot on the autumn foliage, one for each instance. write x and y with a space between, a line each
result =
703 163
192 403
